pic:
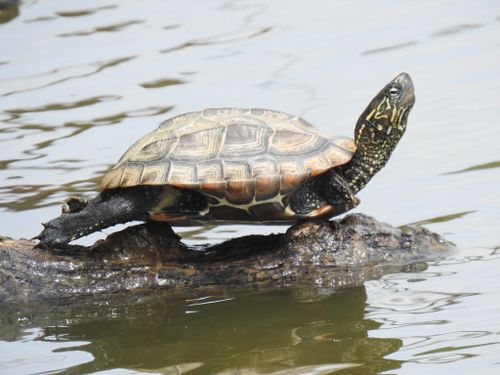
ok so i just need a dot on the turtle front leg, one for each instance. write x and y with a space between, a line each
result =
326 195
337 191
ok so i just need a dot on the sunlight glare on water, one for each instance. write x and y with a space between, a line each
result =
80 81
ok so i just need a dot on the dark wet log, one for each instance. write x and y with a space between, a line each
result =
151 256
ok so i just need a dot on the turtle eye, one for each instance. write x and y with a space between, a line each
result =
394 91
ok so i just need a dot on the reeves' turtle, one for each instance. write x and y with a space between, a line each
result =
233 165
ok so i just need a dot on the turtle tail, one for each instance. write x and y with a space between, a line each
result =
106 209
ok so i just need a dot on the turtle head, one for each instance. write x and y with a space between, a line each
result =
385 118
378 130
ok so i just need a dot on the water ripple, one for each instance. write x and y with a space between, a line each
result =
218 39
416 302
102 29
75 128
390 48
161 82
456 29
143 112
85 12
21 197
440 348
55 76
63 106
443 218
452 30
66 14
493 164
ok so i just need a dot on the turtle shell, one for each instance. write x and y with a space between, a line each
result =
238 155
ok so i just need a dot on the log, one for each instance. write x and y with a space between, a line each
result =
151 256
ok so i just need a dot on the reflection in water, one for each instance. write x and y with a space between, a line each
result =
85 12
56 76
226 38
72 14
117 118
30 355
258 333
427 321
19 197
444 218
198 233
456 29
162 82
60 106
448 347
493 164
390 48
444 32
103 29
421 302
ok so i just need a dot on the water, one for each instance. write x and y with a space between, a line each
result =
81 81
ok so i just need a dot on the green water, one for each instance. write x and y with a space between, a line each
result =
82 80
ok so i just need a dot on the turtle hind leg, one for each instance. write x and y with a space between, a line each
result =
179 205
108 208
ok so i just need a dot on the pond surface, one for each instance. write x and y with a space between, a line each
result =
82 80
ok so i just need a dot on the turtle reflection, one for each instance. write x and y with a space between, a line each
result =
215 332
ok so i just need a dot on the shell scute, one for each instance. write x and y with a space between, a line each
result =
247 140
183 173
198 145
240 192
154 173
267 187
290 142
214 189
316 164
210 171
132 174
153 151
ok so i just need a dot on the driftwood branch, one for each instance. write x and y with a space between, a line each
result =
152 256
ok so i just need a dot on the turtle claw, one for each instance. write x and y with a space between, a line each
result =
52 235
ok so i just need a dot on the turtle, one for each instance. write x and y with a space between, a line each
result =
234 165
